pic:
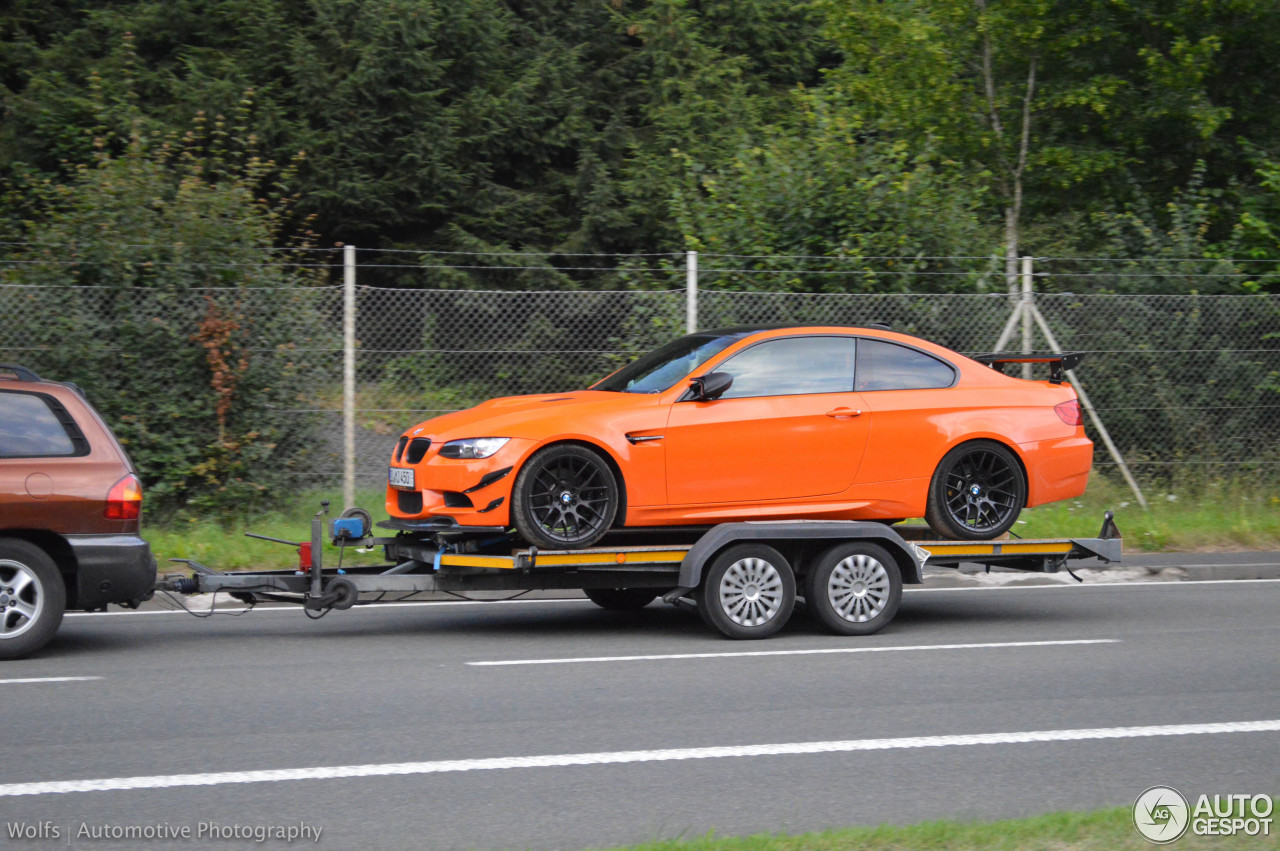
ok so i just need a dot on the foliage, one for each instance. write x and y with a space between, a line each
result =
146 264
821 186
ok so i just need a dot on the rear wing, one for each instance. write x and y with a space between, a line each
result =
1059 362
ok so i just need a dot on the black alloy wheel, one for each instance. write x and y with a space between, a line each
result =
977 492
565 497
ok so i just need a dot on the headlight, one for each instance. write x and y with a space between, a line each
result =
473 447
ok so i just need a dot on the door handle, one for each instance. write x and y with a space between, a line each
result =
843 413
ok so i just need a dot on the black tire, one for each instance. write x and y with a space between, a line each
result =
32 598
621 599
749 591
976 493
565 497
854 589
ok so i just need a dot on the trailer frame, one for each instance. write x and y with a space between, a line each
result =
673 564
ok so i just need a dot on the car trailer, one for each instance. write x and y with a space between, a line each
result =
742 578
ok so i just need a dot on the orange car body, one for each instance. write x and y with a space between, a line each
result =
832 455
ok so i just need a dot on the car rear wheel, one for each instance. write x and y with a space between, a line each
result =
621 599
32 598
977 492
749 591
854 589
565 497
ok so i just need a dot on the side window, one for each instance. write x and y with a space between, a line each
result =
31 428
792 366
887 366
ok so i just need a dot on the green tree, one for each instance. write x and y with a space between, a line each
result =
142 279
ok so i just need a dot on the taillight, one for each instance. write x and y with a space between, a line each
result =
124 501
1070 413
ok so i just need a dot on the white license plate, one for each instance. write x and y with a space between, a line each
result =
399 477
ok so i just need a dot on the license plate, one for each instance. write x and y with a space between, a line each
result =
400 477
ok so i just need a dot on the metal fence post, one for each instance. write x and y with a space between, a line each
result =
691 291
1027 301
348 376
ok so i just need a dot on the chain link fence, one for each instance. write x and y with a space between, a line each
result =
1182 382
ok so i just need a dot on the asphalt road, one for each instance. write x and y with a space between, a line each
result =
679 746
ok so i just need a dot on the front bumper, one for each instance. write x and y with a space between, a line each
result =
111 569
472 493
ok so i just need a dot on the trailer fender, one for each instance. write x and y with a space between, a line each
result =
910 558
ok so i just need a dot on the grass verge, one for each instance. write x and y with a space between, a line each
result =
1103 830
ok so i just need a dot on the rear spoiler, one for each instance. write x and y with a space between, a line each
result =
1059 362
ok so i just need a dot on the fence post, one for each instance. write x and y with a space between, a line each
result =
1026 313
348 376
691 291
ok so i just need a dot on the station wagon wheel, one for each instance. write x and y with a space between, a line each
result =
565 497
32 598
854 589
748 591
977 492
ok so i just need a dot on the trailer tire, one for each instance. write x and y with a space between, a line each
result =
32 598
748 592
345 592
621 599
854 588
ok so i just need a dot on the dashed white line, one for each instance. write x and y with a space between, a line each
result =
805 652
48 680
332 772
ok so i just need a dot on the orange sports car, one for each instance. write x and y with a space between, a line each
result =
753 424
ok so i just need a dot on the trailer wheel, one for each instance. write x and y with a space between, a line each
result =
32 598
748 591
621 599
854 589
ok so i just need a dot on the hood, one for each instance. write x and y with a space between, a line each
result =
532 417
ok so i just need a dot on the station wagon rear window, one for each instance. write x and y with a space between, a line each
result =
30 428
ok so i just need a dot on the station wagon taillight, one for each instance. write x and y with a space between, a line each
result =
124 501
1070 413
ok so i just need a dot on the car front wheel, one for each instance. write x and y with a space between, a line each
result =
565 497
977 492
32 598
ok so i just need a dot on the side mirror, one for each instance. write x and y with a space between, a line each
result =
711 386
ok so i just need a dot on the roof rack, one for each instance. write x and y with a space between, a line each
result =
21 372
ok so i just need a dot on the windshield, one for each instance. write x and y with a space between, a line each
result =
662 368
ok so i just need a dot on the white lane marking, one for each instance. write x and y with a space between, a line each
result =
809 652
1154 583
911 590
49 680
331 772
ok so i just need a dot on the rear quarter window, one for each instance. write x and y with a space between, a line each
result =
35 425
888 366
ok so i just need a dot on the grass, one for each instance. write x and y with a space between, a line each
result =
1218 516
223 545
1103 830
